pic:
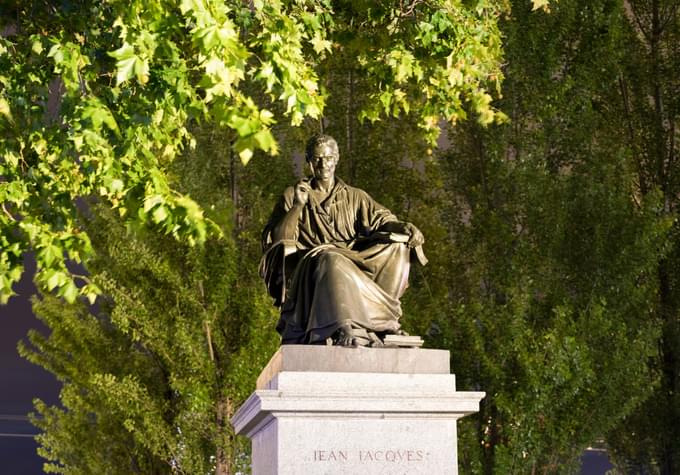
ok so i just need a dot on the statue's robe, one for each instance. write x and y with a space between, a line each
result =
333 272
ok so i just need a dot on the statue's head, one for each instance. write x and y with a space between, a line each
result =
322 155
320 140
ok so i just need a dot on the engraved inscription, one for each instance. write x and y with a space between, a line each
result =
330 455
391 455
368 456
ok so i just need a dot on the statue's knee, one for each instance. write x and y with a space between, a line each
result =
400 249
330 258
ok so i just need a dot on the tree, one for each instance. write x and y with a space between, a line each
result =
649 89
130 78
152 374
541 254
553 278
545 296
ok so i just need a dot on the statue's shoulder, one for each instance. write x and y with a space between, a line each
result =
349 189
356 194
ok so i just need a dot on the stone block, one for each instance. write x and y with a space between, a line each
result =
316 412
354 360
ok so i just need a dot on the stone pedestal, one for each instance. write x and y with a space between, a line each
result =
333 410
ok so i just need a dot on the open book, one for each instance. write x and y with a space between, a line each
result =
387 236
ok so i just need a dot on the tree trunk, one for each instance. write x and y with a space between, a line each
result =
670 370
489 433
225 409
349 115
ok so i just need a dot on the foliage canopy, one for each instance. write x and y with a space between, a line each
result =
98 98
561 225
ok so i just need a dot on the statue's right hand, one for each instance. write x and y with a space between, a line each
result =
302 193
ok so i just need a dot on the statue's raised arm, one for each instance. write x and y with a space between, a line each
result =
335 261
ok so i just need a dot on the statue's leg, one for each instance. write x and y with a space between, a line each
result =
391 264
341 294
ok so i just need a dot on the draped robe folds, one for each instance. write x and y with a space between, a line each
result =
332 273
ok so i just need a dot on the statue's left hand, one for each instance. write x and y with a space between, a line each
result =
416 237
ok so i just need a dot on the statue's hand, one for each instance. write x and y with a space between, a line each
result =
416 237
302 193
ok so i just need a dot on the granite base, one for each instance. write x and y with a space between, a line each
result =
334 410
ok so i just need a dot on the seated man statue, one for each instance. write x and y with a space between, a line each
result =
335 261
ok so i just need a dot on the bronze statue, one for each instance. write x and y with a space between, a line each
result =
335 261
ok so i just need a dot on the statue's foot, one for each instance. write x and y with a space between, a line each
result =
374 340
344 336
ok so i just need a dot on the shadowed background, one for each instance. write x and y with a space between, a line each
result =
20 383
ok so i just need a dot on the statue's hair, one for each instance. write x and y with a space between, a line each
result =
318 140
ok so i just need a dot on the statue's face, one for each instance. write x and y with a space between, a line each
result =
324 161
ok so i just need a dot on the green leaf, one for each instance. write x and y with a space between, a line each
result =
54 278
141 68
69 291
125 70
5 110
100 114
245 155
151 201
265 140
159 214
320 44
129 65
51 254
242 125
541 4
37 46
91 297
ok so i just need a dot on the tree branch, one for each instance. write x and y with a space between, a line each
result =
633 15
